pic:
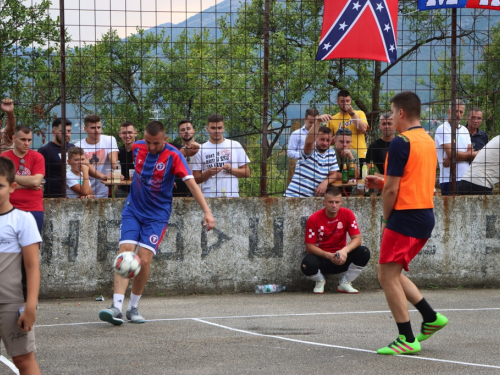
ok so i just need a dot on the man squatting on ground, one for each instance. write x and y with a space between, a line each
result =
327 248
147 211
407 222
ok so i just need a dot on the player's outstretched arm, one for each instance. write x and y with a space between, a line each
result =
208 220
32 266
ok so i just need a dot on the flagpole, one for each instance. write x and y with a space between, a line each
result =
265 100
453 116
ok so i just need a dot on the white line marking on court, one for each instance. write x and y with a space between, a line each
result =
343 347
9 364
264 316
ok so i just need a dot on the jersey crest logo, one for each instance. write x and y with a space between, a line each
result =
160 166
153 239
339 225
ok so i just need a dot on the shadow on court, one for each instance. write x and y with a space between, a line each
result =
287 333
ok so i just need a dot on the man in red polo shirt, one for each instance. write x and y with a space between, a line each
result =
407 222
30 170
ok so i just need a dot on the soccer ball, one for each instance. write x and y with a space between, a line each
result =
127 264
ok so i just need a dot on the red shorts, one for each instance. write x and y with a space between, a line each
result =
398 248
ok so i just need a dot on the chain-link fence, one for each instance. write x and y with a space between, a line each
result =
252 62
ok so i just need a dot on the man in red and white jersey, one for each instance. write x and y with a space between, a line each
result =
326 244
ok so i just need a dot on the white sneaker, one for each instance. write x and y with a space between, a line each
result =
320 287
346 288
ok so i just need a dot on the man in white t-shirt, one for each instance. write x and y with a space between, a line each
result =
298 137
220 162
484 172
465 153
101 151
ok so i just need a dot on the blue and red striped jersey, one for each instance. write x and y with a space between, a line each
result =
151 188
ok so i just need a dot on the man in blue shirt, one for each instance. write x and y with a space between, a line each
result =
147 211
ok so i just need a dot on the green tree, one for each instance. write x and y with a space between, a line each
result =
28 44
115 76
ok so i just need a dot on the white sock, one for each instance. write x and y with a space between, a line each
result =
118 301
351 274
134 301
318 277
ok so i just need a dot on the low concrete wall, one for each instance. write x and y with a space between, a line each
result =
256 241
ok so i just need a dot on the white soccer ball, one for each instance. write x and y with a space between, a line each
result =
127 264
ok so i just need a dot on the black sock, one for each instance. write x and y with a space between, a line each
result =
426 310
405 329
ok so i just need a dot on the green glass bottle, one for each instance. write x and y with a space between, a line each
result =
345 175
352 171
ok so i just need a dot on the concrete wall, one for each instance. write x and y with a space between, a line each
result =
256 241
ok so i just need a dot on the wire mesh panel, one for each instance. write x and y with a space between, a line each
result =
130 62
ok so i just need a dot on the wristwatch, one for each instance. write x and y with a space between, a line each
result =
351 114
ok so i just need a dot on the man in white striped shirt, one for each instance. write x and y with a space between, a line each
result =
317 166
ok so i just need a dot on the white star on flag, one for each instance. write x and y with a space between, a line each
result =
327 46
380 7
343 25
356 6
392 48
387 27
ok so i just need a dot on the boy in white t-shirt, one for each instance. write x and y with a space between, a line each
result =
77 179
101 152
220 162
19 275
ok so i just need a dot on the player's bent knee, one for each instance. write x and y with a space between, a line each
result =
361 256
310 265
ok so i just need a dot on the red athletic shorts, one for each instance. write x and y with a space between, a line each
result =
398 248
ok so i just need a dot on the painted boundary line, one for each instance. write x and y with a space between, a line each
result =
342 347
9 364
264 316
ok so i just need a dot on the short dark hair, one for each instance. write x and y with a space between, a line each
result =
182 122
334 191
58 121
312 112
91 119
124 124
154 128
324 130
22 128
343 93
409 102
7 169
75 151
215 118
385 115
475 109
344 132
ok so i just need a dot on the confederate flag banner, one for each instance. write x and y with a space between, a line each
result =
438 4
359 29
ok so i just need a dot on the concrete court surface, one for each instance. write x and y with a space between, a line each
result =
286 333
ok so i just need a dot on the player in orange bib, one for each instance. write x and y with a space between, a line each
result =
408 220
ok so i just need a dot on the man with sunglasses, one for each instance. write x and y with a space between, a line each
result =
30 170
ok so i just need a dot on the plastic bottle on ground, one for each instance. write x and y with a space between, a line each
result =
269 288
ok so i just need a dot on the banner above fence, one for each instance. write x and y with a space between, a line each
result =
438 4
359 29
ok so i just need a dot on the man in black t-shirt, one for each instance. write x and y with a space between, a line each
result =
377 150
52 155
188 148
128 134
